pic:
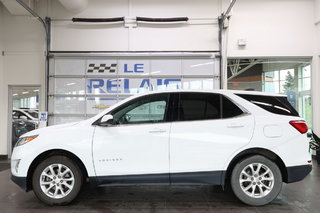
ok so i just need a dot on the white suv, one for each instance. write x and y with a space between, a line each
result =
255 141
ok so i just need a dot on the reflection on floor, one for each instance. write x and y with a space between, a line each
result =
296 197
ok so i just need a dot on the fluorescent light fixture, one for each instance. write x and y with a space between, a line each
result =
25 92
15 94
198 65
36 90
70 84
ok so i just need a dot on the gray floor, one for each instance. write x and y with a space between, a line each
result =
296 197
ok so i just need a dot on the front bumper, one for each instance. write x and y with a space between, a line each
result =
20 181
297 173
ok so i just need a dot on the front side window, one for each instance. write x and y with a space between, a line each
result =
144 110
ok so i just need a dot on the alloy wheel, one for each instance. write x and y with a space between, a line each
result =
256 180
57 181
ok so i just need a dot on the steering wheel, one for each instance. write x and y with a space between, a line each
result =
124 119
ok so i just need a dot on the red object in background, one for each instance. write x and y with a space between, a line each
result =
235 84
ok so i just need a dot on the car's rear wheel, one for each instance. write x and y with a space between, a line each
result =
57 180
256 180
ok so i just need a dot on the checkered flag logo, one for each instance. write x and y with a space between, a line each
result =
101 68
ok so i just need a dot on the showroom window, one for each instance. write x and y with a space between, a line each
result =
80 86
284 76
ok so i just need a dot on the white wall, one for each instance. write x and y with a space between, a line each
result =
3 138
272 28
22 63
194 36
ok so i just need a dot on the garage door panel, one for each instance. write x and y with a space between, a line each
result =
82 85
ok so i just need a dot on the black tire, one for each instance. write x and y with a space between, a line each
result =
71 193
257 183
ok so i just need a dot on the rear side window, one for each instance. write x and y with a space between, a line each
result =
199 106
274 104
205 106
229 109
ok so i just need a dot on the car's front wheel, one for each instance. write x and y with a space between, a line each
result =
256 180
57 180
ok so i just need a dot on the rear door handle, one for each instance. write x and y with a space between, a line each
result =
235 126
157 131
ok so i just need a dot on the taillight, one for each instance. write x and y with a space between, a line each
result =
301 126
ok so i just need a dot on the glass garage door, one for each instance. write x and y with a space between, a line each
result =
80 86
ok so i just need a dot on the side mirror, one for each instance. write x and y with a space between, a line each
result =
106 120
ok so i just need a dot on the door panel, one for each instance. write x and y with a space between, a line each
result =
131 149
206 145
137 143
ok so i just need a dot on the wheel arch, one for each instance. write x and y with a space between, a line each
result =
257 151
50 153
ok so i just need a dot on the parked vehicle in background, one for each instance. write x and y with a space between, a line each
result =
30 117
28 113
255 141
18 129
34 113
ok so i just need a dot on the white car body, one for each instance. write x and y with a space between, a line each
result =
170 152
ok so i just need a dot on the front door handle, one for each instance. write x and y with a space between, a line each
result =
157 131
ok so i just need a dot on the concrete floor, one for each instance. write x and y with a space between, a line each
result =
296 197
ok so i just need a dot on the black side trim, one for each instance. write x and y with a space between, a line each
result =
188 178
149 179
20 181
198 178
297 173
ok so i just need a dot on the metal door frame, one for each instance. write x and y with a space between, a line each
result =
10 108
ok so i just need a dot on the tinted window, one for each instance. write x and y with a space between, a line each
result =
229 108
277 105
150 109
198 106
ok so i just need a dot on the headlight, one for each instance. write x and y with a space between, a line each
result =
25 140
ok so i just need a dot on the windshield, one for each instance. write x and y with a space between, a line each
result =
33 114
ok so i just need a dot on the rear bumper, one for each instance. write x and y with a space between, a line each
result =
20 181
297 173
